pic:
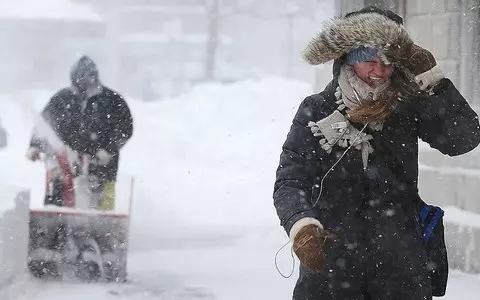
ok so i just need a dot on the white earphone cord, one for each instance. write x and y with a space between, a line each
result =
333 166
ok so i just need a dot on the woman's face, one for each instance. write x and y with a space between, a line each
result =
373 72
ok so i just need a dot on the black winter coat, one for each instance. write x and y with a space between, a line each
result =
372 211
103 121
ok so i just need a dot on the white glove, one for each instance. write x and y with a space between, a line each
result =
103 157
33 153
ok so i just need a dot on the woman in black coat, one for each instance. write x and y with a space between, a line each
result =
346 188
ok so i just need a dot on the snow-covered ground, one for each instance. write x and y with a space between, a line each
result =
203 223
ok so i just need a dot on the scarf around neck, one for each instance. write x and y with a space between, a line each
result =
355 91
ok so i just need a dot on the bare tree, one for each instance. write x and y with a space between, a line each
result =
213 16
217 10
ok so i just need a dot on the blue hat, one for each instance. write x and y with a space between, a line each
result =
360 54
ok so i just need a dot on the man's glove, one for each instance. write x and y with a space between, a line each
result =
309 245
103 157
33 153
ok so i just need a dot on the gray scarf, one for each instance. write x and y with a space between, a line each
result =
336 129
355 91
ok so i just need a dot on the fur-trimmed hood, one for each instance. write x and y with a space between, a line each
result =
370 27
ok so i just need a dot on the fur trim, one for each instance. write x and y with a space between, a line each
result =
340 35
302 223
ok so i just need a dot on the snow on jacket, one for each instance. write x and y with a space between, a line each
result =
87 122
373 211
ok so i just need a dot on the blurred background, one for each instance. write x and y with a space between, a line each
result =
153 48
213 86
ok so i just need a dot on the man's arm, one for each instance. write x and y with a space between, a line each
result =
123 123
120 127
53 123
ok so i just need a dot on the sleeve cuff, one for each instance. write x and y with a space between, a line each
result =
302 223
429 78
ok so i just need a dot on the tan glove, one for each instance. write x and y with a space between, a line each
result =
309 246
417 60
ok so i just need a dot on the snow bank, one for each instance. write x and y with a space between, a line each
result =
463 246
13 235
8 195
462 217
46 9
18 115
204 161
452 188
208 158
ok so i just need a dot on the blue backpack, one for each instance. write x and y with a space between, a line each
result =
432 230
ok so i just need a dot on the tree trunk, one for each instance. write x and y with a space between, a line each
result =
212 8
